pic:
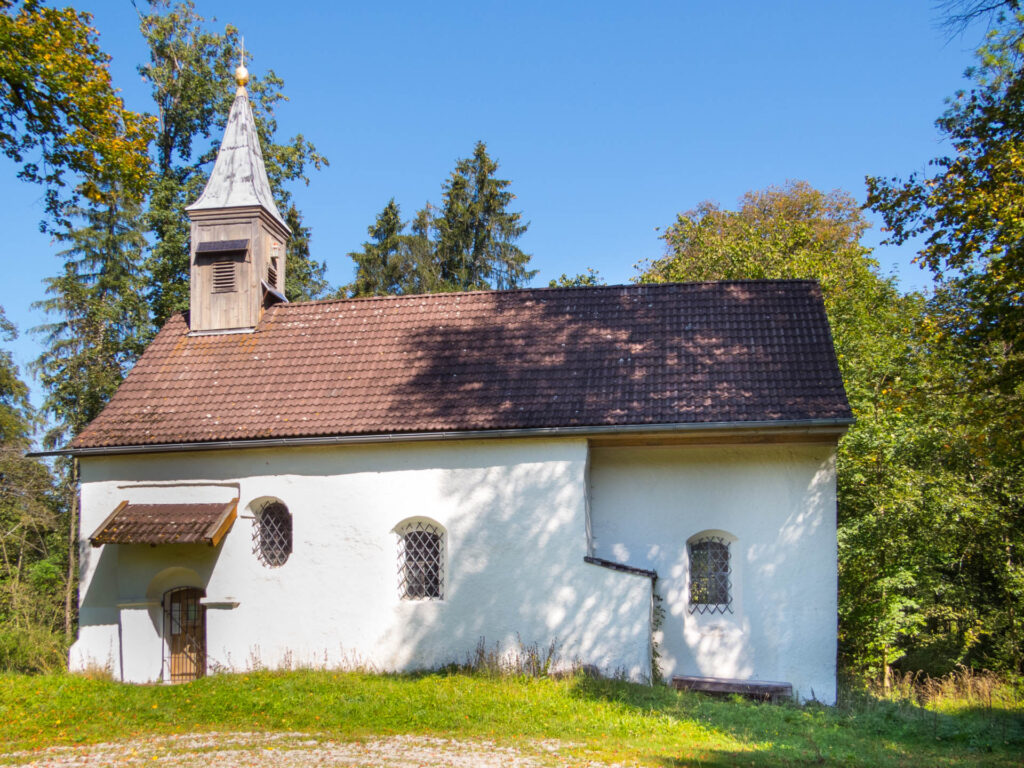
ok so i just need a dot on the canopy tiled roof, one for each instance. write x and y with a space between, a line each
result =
166 524
732 352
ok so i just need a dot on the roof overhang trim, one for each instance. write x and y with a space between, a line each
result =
822 428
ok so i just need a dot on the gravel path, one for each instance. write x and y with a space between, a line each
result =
297 750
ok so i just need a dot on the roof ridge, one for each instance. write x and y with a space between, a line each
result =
545 289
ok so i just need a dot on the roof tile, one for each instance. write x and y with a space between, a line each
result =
618 355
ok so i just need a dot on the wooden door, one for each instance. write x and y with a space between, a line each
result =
185 633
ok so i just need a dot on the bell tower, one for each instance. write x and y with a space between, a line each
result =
239 238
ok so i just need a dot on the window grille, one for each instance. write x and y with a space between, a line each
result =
272 534
224 277
710 585
272 272
421 561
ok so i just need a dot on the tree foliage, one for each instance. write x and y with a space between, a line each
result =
384 265
920 558
100 319
191 74
968 205
32 564
467 244
960 14
587 279
476 232
126 252
61 119
968 209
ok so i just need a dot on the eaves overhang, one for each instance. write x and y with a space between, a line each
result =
817 429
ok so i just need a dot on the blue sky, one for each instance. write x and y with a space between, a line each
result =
608 118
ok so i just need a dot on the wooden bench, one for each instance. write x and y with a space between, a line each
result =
765 690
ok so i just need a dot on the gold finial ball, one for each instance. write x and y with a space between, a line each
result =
241 75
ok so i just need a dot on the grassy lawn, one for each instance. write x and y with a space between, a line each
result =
602 719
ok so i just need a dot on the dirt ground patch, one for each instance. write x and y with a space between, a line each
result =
297 750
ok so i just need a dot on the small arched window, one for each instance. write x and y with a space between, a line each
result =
272 534
420 560
710 581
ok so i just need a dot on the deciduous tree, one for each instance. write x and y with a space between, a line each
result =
921 531
586 279
32 552
61 119
969 209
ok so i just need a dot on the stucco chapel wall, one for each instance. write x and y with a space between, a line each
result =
779 504
515 515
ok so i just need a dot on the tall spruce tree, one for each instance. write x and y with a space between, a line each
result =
420 245
382 266
304 278
468 244
476 245
100 317
191 75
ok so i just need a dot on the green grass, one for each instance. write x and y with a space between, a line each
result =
602 719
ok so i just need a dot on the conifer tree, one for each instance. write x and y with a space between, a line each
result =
476 232
100 318
304 278
468 244
423 274
381 265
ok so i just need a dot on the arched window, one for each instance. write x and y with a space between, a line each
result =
710 582
420 560
272 533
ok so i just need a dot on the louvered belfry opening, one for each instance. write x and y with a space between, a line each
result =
222 258
272 272
225 279
710 579
421 561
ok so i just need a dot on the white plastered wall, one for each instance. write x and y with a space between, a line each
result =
778 505
514 512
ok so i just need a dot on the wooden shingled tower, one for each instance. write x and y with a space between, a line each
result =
239 238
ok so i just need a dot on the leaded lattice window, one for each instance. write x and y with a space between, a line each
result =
710 584
421 561
272 534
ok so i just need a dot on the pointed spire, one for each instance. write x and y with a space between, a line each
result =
239 177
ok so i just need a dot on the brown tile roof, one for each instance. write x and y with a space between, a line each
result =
492 360
166 524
